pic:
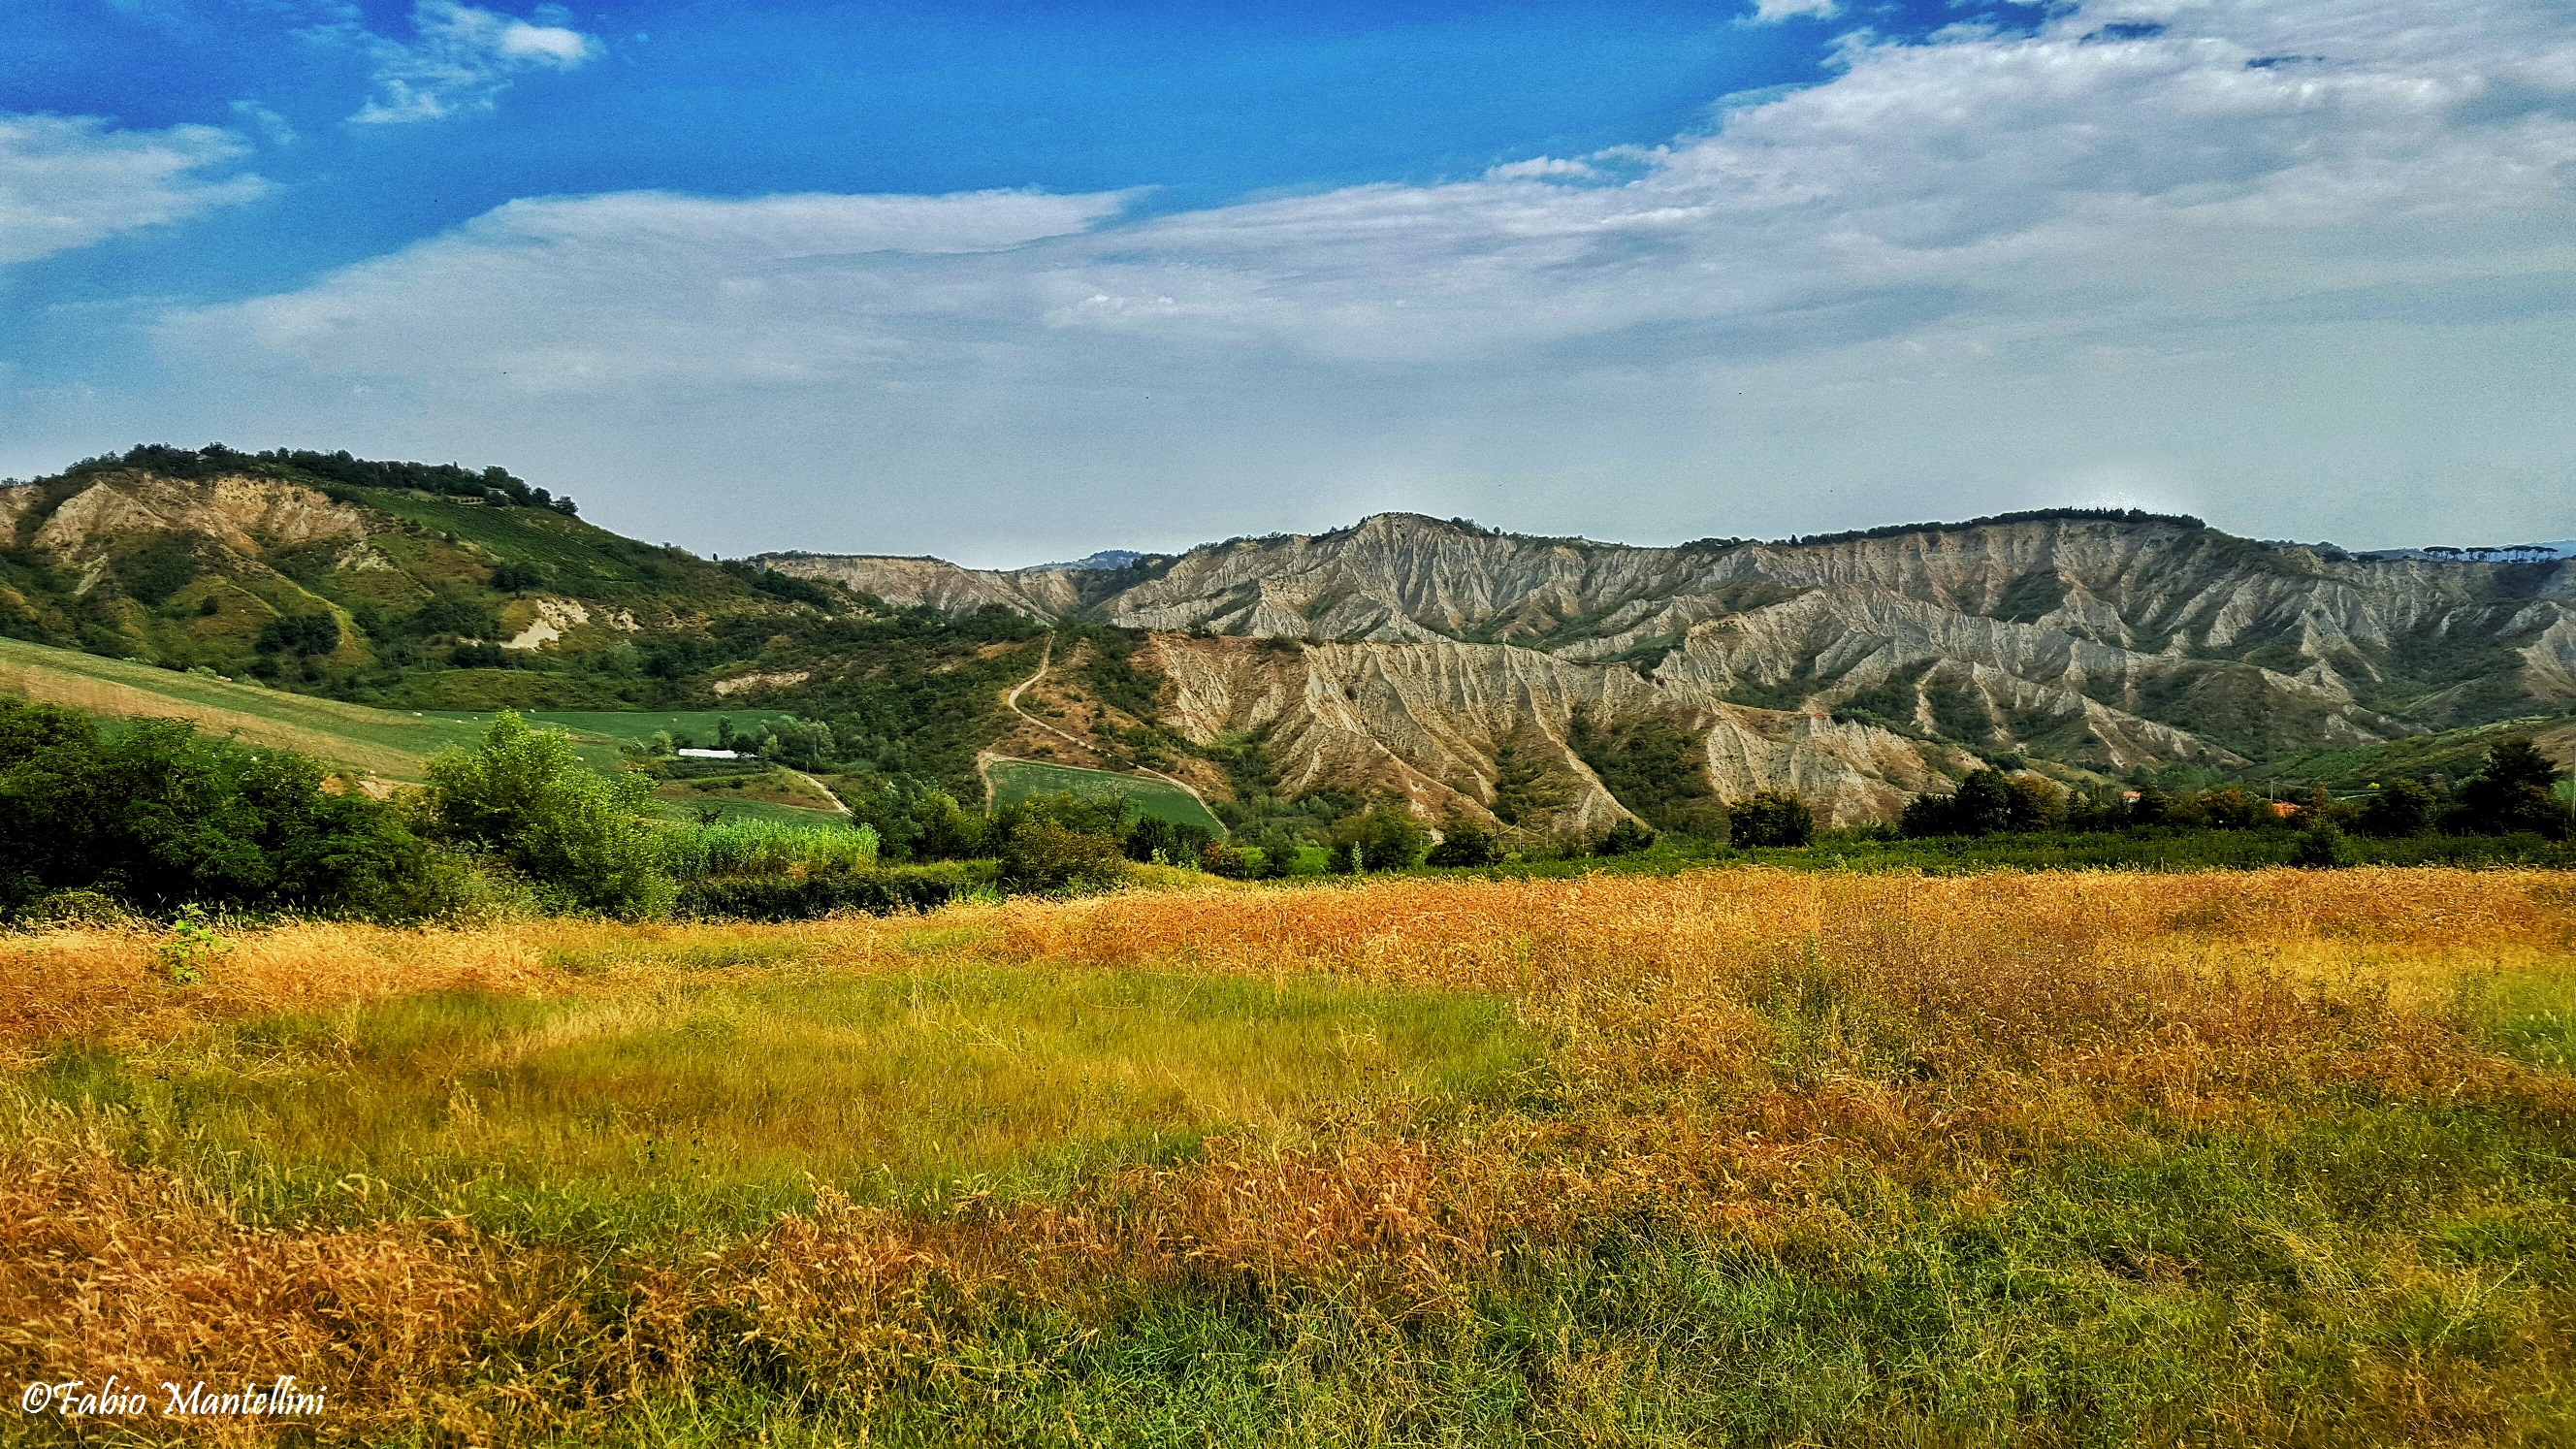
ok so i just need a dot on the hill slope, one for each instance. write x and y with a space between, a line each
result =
1856 669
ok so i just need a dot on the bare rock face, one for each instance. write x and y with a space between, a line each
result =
1430 721
915 582
242 514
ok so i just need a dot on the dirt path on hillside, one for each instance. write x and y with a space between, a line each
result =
1011 700
826 791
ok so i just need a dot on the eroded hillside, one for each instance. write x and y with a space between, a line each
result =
1856 670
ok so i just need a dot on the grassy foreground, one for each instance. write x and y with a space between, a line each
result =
1727 1156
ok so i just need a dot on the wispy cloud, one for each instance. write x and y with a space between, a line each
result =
2118 243
459 58
68 181
1766 12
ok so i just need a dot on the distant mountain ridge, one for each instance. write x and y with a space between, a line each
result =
1858 667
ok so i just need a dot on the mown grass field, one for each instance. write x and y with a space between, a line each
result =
1730 1156
1015 780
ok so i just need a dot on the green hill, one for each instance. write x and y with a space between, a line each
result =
436 589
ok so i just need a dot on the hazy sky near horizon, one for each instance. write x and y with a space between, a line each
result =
1008 282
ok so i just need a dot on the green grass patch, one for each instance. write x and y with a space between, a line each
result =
702 1105
1016 780
388 742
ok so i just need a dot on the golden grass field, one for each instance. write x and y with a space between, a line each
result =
1731 1156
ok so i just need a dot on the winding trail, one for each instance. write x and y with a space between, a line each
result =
985 759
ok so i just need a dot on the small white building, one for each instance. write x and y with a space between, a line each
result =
710 754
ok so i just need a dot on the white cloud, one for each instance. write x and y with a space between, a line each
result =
1985 260
68 181
1766 12
601 294
460 57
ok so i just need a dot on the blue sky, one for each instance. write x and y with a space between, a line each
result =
1005 282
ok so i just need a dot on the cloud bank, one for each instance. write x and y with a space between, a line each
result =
2161 251
69 181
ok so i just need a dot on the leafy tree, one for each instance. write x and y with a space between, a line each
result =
797 744
1220 859
1386 836
2400 807
2230 809
1043 855
299 634
526 798
1176 843
1628 837
1982 805
2037 803
2152 807
1772 818
2512 794
1465 845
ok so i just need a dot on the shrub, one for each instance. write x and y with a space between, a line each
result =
192 946
1628 837
524 797
1041 855
1771 818
802 898
1465 845
2319 847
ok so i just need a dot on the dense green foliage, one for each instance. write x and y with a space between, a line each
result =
1655 768
1770 818
526 799
157 815
822 893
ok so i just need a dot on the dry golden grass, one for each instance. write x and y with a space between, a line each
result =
1750 1067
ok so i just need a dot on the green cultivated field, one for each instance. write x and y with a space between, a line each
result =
1015 780
635 727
